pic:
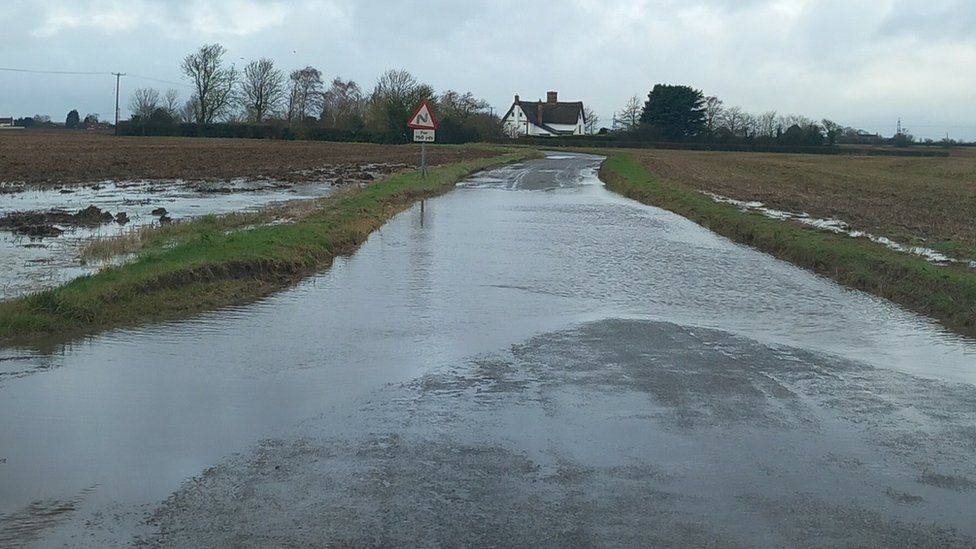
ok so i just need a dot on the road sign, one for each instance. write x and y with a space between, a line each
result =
423 118
423 136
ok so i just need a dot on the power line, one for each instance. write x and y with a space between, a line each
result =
32 71
96 73
160 80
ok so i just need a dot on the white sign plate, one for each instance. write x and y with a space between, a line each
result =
423 136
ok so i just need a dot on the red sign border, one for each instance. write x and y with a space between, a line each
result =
433 117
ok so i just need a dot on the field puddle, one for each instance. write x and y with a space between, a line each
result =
838 226
29 263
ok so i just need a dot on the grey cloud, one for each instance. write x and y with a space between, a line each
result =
857 61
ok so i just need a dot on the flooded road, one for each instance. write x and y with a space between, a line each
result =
528 360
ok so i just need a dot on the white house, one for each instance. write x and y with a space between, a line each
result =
6 122
549 119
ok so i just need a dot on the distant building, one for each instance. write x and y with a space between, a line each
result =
6 122
549 119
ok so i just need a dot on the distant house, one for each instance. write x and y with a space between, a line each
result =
549 119
6 122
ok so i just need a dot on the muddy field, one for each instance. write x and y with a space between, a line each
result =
918 201
53 158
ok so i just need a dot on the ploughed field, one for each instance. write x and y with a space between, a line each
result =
66 193
54 158
917 201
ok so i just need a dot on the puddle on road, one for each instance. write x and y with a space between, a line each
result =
30 264
515 252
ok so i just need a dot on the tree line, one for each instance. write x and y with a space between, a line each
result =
682 113
262 94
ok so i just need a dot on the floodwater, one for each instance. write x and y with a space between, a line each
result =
531 340
31 264
838 226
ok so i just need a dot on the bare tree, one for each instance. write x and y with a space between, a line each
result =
767 124
188 112
306 94
144 102
460 105
713 114
396 93
213 82
395 85
343 105
171 103
262 89
630 115
733 119
832 129
591 120
750 125
796 120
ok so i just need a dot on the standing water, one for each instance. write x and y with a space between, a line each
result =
110 426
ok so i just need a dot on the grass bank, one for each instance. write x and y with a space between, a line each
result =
944 293
926 202
213 262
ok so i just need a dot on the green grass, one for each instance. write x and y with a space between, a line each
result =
206 264
947 294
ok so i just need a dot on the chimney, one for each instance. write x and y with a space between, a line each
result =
551 97
516 98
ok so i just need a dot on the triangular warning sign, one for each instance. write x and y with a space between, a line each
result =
423 118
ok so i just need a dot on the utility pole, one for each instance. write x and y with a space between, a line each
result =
118 78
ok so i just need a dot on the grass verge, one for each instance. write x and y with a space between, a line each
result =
947 294
206 264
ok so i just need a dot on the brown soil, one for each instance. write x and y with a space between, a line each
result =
929 201
40 224
51 158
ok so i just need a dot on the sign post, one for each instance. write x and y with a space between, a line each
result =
424 125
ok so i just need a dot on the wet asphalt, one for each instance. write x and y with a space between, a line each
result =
619 433
602 411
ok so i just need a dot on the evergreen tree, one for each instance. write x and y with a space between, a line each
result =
678 111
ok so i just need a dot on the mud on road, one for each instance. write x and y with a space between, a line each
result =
616 433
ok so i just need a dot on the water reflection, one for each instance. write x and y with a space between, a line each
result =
519 251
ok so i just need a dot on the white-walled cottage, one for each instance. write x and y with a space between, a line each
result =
549 119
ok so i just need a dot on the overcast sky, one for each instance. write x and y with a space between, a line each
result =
862 63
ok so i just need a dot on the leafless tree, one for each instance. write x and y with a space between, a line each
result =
750 125
144 102
396 93
630 115
262 89
713 114
832 130
171 103
733 119
796 120
767 124
213 82
395 85
591 119
305 98
188 112
343 105
460 105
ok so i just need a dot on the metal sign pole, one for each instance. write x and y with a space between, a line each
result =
423 159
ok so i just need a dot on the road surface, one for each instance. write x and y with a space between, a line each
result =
527 361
